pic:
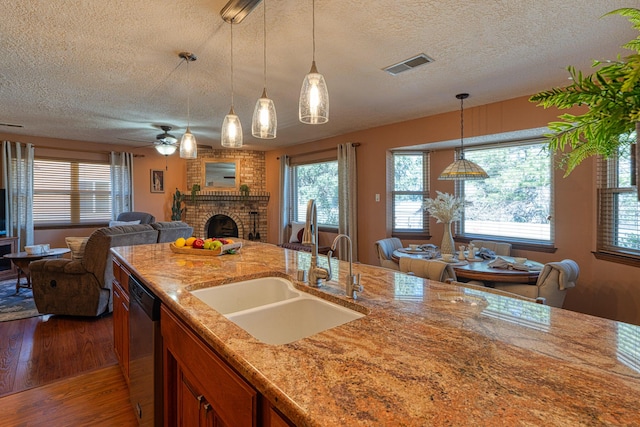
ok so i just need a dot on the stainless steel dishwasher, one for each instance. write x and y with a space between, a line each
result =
145 354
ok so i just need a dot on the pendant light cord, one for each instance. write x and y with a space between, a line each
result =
188 95
231 63
313 27
461 127
264 40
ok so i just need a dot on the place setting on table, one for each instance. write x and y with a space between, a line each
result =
481 264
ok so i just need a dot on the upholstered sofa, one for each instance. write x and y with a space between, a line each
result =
83 287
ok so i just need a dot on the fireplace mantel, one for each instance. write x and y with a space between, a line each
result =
227 196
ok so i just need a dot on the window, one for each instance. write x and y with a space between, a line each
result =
619 209
410 188
70 193
317 181
515 202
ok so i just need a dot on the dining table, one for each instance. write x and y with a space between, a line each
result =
480 269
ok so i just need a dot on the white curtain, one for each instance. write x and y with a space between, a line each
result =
285 200
17 167
348 198
121 183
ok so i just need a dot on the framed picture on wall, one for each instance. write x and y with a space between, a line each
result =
157 181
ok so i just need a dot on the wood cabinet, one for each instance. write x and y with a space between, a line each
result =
121 316
7 268
200 389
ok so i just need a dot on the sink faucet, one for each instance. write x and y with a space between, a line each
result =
310 236
353 281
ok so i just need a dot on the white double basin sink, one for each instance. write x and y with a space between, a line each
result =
272 310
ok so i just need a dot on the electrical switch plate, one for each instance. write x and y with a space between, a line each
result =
377 197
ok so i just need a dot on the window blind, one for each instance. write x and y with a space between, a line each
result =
71 192
618 206
516 202
410 188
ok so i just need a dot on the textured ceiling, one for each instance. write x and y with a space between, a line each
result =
108 71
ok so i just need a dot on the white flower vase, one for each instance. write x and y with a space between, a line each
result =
447 246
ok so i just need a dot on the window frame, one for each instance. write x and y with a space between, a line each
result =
404 233
608 188
74 211
294 197
517 243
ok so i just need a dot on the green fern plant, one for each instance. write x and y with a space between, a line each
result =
612 94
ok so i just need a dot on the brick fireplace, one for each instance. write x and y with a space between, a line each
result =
241 209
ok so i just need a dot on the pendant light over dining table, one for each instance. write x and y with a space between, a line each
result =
265 123
231 127
313 107
462 169
188 145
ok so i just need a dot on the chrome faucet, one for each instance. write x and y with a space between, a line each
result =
310 236
352 284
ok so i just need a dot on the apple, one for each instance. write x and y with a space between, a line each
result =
198 243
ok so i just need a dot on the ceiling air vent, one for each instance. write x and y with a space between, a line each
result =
408 64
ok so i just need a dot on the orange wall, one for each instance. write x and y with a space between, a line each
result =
158 204
604 289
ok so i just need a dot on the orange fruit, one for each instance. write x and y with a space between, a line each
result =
189 241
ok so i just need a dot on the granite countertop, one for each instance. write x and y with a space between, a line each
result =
427 353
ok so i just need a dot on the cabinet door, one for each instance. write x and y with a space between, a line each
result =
227 400
121 328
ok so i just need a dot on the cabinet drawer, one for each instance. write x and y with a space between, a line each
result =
234 400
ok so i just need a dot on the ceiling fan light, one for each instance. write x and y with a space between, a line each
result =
188 146
313 107
265 122
231 131
166 149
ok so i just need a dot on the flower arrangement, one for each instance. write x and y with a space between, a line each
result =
445 207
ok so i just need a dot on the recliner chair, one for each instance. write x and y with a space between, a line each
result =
84 287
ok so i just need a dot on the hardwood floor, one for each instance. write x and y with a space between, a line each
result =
61 371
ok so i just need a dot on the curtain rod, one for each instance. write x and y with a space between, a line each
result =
309 153
44 147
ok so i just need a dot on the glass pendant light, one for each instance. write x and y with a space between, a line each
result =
462 169
231 128
313 107
188 145
264 124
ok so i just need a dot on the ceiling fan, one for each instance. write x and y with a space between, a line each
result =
165 143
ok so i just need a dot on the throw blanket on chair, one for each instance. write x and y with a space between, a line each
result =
566 270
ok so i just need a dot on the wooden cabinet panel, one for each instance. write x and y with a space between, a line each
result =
226 398
121 316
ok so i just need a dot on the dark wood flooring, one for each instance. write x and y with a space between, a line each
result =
57 370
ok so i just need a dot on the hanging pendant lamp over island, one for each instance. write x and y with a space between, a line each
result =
313 107
265 123
231 127
462 169
188 144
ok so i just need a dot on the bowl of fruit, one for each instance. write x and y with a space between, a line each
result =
213 246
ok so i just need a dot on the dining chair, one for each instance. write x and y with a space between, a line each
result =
552 284
477 287
428 268
500 248
385 248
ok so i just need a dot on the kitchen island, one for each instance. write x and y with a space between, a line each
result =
426 353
